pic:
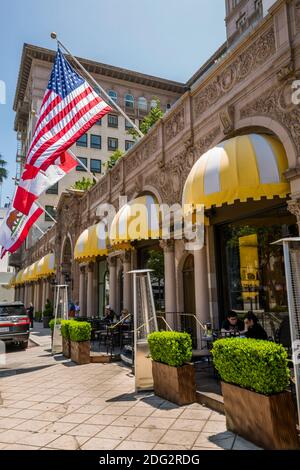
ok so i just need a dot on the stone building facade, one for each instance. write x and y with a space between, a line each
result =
247 91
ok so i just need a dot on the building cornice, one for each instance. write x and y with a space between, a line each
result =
31 52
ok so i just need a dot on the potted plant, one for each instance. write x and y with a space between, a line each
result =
47 314
255 377
66 343
80 336
173 375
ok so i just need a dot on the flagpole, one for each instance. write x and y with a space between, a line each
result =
83 165
46 212
36 226
114 104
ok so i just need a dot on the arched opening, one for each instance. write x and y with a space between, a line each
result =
66 263
187 319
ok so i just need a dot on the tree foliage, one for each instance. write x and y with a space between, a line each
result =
152 117
3 170
83 185
113 159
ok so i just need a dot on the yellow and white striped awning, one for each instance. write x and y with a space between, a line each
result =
46 266
137 220
248 166
92 242
19 278
30 273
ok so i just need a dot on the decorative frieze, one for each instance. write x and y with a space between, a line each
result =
143 153
244 64
276 103
174 125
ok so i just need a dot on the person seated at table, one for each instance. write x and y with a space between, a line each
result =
125 317
253 328
232 324
109 314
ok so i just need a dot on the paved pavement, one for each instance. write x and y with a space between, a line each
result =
49 402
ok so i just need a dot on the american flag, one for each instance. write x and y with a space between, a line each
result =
69 109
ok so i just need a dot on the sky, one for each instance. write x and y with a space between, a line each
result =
166 38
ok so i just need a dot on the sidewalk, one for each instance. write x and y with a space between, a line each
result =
40 336
51 403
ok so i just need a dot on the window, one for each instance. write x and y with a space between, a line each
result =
51 211
142 104
98 123
82 141
128 125
95 166
84 161
112 120
95 141
129 101
114 95
112 143
128 144
53 189
153 103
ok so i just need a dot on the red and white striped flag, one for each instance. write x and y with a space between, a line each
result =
69 109
15 227
34 181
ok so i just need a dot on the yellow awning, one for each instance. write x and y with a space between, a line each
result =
249 166
46 266
19 278
30 273
137 220
92 242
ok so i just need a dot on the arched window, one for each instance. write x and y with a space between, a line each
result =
153 103
114 95
142 104
129 101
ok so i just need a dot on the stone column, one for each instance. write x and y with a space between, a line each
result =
170 281
201 288
43 281
127 302
112 264
82 292
90 290
294 208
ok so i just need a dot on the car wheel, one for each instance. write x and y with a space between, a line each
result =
24 345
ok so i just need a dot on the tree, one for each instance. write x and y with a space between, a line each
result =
152 117
3 170
83 185
115 156
3 174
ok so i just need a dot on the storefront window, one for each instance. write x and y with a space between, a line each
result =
252 268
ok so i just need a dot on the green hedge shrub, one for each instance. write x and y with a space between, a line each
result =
79 331
65 328
38 316
170 347
51 323
261 366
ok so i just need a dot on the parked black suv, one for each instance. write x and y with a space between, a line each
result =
14 323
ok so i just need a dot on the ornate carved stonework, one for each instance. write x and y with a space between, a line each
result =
245 63
170 180
174 125
167 245
144 152
294 208
297 14
100 190
226 117
116 176
126 257
285 71
277 104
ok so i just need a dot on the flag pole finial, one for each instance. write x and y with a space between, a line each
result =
53 35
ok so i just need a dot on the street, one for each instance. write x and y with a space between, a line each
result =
49 402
